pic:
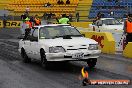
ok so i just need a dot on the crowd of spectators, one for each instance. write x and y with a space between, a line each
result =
61 2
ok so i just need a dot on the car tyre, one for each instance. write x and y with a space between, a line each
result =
25 57
92 62
44 62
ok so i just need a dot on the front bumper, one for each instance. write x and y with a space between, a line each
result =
68 56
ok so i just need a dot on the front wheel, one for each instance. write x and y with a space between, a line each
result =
92 62
44 61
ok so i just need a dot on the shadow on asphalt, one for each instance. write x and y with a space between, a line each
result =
67 67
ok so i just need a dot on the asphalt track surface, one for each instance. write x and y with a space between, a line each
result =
16 74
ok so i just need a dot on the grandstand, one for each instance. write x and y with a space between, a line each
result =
83 8
118 8
87 9
17 7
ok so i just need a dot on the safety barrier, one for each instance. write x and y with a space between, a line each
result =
17 24
81 24
105 40
11 24
128 50
1 23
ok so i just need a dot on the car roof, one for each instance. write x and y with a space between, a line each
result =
53 25
106 18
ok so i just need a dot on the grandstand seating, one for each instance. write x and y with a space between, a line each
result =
118 8
17 7
84 8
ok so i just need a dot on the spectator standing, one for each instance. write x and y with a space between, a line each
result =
23 17
58 2
32 20
64 19
28 27
37 20
27 10
61 2
4 20
77 16
70 17
47 4
112 13
49 16
67 1
45 16
128 28
99 15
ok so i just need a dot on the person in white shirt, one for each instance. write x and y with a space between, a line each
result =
27 10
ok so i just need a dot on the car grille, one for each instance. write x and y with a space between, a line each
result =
80 47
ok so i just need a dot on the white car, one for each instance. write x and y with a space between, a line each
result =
107 24
56 42
123 20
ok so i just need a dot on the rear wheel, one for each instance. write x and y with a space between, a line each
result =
92 62
25 57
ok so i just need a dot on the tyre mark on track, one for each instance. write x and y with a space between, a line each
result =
9 53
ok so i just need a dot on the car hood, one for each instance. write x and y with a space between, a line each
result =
67 42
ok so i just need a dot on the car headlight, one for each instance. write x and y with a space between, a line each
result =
93 47
56 49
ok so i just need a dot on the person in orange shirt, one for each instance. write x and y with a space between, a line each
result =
28 27
29 24
37 21
128 28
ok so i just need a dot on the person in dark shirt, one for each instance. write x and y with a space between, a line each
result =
47 4
67 1
4 20
77 16
61 2
32 20
58 2
23 17
70 17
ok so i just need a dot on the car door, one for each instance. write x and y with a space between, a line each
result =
26 46
34 45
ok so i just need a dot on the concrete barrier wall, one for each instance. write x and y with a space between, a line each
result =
17 24
128 50
105 40
81 24
1 23
11 24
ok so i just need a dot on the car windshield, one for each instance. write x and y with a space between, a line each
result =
111 22
50 32
123 20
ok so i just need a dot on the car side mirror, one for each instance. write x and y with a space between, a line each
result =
34 38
